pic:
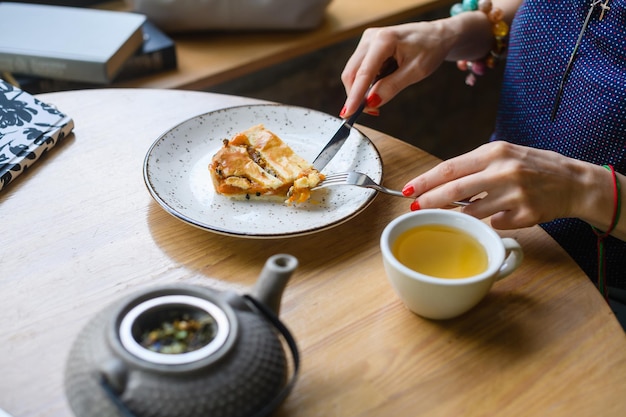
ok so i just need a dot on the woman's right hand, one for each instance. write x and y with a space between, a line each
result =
418 48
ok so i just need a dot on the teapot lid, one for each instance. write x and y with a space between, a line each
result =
144 313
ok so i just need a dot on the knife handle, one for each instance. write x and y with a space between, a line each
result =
389 66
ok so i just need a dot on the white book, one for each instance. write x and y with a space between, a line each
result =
67 43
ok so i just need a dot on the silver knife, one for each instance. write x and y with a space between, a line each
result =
339 138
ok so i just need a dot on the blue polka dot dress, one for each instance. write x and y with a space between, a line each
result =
591 120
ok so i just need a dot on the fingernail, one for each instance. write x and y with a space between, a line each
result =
373 112
415 206
342 112
408 190
373 100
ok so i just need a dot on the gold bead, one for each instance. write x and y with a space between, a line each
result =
500 29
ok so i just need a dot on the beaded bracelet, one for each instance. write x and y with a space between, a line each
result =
617 208
500 30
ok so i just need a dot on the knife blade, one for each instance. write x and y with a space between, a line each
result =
339 138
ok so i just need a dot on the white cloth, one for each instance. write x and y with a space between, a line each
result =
197 15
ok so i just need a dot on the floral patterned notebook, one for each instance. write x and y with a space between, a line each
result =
28 128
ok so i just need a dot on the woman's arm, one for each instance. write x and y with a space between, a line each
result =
419 49
475 31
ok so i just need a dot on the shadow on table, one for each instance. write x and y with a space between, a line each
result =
201 250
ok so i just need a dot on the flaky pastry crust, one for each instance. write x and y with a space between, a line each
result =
256 163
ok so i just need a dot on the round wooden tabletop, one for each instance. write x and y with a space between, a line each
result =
79 230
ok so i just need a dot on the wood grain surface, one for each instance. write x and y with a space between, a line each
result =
79 230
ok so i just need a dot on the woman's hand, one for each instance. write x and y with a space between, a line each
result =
418 48
518 186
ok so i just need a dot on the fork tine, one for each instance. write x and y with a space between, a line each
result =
333 181
338 176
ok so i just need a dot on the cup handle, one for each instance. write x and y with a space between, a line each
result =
514 256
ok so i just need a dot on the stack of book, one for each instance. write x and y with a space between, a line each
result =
49 48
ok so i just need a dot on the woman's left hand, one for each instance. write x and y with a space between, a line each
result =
518 186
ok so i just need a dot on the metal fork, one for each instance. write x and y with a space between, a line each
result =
362 180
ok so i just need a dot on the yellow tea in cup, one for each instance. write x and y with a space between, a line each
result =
421 248
440 251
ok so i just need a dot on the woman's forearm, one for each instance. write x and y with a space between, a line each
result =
472 31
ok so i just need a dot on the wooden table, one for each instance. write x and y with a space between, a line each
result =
79 230
207 59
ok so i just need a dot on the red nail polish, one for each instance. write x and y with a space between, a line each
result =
408 190
373 112
373 100
415 206
342 112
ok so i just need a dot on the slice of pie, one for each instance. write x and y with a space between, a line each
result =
258 164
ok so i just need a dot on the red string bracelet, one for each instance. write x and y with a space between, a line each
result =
617 208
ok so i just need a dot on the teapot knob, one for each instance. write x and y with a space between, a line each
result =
273 280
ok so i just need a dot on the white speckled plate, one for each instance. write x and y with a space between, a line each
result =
176 172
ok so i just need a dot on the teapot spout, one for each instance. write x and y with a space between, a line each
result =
273 280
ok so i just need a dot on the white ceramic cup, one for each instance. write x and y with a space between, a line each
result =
444 298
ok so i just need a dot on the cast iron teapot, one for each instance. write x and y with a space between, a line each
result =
186 351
